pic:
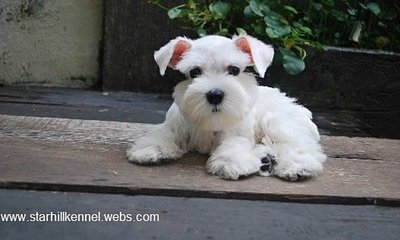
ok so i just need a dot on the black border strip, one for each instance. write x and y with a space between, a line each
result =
295 198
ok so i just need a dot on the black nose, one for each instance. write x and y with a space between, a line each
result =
215 96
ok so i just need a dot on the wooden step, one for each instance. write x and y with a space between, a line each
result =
85 155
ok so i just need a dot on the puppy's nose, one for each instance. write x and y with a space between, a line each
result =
215 96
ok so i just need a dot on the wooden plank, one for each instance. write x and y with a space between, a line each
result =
86 155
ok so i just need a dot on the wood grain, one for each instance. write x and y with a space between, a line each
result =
86 155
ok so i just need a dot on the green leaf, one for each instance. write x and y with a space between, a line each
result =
363 6
271 33
277 25
382 24
247 12
306 30
272 21
255 6
240 31
282 31
374 8
291 9
291 63
175 12
352 11
223 32
219 9
318 46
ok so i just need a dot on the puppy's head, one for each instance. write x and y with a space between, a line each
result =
217 94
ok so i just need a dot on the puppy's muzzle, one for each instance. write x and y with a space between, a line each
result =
215 96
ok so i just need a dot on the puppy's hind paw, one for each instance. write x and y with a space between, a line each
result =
233 169
296 175
150 155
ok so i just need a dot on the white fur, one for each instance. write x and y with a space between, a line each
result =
250 123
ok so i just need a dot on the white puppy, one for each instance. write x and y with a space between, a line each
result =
220 110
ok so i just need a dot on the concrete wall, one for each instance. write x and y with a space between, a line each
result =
50 42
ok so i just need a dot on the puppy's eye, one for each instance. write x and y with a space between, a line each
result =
195 72
233 70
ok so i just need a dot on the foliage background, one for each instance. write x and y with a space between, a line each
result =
294 26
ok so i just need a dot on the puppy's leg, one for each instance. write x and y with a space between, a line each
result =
233 158
296 162
157 147
298 153
266 155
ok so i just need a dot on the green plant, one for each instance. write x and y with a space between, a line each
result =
292 27
351 23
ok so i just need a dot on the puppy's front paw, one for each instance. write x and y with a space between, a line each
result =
268 163
233 168
151 155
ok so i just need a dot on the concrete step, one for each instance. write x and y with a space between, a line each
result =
193 218
88 155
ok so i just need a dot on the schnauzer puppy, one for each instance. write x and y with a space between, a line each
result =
220 110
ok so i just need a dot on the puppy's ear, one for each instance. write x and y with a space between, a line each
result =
261 55
171 53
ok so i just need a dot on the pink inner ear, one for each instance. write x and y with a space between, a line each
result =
244 46
180 48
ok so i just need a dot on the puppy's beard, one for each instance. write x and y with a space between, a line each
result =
206 116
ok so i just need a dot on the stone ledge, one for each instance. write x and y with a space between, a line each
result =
87 155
